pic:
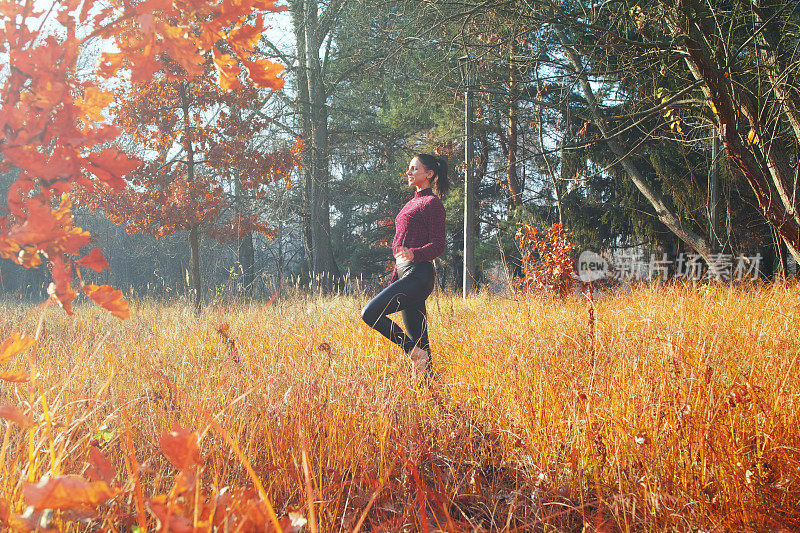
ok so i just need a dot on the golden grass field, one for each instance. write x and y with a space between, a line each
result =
680 414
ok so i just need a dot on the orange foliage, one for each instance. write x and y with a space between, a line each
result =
546 261
14 345
94 260
108 298
180 447
178 509
11 413
11 347
67 492
162 196
52 116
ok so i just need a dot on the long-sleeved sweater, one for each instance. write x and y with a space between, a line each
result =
420 227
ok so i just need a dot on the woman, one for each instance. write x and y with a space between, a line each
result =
419 239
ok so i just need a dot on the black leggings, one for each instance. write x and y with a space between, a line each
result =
408 295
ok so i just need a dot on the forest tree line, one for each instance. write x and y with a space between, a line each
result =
660 126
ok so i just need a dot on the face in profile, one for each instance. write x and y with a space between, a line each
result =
418 176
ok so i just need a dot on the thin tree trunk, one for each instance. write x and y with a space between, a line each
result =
245 251
194 232
713 194
738 118
303 110
664 213
514 188
324 266
246 258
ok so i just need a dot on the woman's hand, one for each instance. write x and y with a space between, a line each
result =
405 254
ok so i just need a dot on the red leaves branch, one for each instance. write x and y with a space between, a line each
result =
52 118
546 260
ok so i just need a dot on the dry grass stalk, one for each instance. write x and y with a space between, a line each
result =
686 419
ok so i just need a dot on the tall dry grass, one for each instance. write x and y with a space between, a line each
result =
680 414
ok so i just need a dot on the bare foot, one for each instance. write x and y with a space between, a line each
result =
420 360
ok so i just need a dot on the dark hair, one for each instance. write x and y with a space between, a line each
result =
439 183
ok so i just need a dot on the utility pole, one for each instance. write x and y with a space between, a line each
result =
469 186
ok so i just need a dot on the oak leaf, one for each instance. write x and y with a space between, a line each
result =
100 469
15 344
110 166
264 73
93 102
167 517
247 36
108 298
94 260
41 224
14 376
180 445
228 72
11 413
67 492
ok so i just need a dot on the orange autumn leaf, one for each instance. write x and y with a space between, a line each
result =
100 469
28 258
93 101
15 344
180 445
110 166
5 511
171 521
41 224
264 73
67 492
94 260
228 71
64 299
61 288
14 376
247 37
108 298
12 414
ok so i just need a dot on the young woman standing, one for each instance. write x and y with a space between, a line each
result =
419 239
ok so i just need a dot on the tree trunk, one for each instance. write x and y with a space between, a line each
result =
245 252
194 233
766 166
514 188
663 212
713 194
246 257
324 268
303 111
194 267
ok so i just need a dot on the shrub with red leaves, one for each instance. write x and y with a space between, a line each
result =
546 260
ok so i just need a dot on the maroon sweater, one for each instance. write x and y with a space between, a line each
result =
420 227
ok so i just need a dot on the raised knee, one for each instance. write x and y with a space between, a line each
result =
368 316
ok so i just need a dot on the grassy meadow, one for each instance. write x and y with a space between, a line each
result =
679 412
